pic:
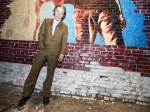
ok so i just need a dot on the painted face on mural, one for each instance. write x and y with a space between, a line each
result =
59 13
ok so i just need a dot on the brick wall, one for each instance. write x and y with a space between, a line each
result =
4 11
100 82
129 58
143 7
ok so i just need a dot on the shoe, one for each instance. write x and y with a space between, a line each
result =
22 102
45 100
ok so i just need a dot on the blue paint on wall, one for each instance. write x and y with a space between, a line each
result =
69 20
99 39
133 34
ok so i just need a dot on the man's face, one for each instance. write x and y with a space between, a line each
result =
59 13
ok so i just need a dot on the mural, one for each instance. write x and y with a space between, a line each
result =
102 22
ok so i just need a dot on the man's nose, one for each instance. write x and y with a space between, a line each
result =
58 13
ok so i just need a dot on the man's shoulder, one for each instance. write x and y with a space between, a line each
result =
64 24
48 19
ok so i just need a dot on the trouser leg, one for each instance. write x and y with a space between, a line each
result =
52 62
34 73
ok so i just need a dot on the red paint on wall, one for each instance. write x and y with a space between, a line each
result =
127 58
37 11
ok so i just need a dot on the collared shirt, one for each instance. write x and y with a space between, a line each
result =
55 23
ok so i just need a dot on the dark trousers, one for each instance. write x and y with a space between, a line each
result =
41 58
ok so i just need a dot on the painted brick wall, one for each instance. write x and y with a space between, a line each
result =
100 82
128 58
143 7
4 11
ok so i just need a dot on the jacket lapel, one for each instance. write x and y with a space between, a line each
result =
59 25
50 28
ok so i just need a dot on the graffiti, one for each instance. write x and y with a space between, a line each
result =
38 5
101 19
26 21
83 17
103 22
37 11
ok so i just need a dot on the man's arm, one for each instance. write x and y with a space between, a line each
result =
64 41
63 45
41 35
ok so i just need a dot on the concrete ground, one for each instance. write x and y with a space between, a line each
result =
10 95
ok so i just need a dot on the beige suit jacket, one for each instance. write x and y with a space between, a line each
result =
56 42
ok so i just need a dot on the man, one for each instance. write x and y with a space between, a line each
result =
52 41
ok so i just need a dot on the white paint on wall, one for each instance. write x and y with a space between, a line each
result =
100 81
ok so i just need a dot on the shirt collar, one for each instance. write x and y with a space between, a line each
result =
57 21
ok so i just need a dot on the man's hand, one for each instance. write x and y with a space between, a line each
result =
60 58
